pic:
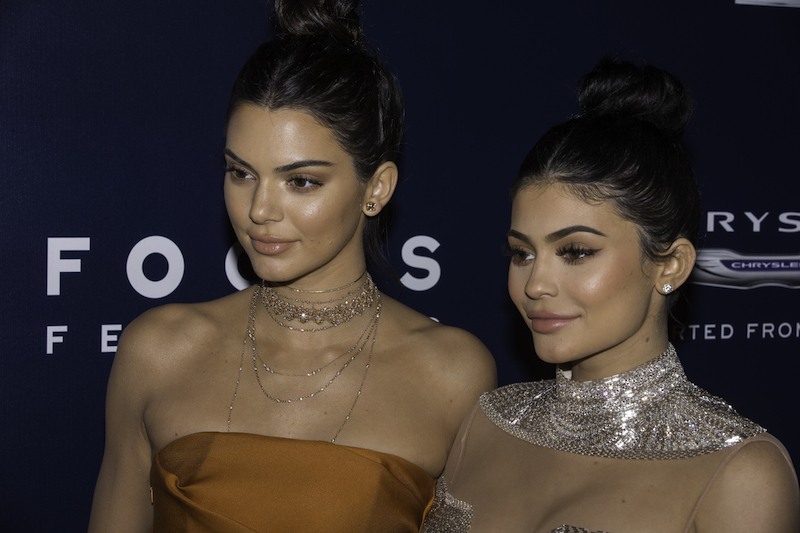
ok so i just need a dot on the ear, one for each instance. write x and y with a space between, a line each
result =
379 189
676 266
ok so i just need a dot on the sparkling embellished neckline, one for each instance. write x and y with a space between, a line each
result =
649 412
621 391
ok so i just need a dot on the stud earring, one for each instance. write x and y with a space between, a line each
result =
370 206
666 288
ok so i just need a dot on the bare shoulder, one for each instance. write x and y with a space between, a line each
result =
755 489
164 337
157 351
150 357
457 358
761 460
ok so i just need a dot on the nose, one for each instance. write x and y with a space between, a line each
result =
541 281
265 204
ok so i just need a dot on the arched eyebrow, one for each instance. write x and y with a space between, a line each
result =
301 164
559 234
283 168
230 153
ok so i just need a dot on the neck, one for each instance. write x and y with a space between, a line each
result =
309 310
617 360
302 289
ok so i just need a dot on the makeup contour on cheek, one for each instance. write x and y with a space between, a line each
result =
293 196
575 273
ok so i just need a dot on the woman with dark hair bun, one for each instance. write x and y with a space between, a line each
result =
309 401
604 216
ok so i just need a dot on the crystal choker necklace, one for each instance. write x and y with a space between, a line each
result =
649 412
323 314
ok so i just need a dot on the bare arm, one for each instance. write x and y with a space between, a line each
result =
469 371
756 491
122 494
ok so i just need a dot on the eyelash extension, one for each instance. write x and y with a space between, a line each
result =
516 253
574 255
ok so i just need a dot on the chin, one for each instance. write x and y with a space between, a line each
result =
272 271
553 352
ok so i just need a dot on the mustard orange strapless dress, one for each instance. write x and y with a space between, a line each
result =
237 482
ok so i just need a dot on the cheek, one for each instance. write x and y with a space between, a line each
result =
313 221
329 210
596 287
517 278
323 221
311 212
601 287
615 288
236 204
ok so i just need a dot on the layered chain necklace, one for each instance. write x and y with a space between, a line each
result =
324 315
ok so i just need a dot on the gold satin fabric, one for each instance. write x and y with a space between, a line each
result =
237 482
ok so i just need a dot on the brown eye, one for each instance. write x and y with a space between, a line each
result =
239 174
519 255
303 183
575 254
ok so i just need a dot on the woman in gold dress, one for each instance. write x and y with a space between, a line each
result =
310 401
604 214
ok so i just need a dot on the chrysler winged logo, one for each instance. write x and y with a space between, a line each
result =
725 268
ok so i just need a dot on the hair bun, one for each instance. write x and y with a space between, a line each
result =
338 19
620 89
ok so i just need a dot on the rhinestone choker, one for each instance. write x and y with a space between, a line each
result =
365 342
649 412
323 314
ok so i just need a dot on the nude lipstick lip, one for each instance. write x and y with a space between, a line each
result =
270 245
543 322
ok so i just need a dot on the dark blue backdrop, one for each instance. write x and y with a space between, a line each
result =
111 129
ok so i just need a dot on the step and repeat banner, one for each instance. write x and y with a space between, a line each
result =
111 136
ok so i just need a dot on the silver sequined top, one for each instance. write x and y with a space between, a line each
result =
650 412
